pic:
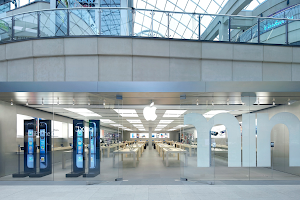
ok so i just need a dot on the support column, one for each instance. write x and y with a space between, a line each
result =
150 138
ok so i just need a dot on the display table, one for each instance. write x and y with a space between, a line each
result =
139 146
133 151
161 146
190 147
168 151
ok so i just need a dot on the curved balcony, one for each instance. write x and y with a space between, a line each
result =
129 22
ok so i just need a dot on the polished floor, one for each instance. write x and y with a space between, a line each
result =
150 192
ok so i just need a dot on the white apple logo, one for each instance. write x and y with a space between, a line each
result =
149 112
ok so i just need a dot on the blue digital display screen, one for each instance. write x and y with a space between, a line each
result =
79 161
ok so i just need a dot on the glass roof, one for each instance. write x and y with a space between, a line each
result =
177 29
197 6
253 4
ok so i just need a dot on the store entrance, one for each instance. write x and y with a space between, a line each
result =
148 138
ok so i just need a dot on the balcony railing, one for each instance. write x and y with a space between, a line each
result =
150 23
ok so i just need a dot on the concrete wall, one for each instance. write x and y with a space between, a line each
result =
126 59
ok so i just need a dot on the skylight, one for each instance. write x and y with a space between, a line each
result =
253 4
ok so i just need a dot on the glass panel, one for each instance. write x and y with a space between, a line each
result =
27 148
84 22
194 142
5 29
183 26
25 26
243 29
53 23
111 22
272 31
205 21
143 23
293 32
160 24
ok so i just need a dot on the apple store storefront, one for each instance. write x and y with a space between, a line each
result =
150 137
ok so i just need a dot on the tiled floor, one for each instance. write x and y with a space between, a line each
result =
149 192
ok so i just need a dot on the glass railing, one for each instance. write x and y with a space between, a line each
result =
150 23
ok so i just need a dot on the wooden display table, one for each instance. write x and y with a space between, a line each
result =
161 146
168 151
190 147
133 151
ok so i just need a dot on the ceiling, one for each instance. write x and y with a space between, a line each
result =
104 104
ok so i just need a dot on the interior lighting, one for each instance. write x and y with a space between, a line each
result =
162 125
174 113
106 121
157 129
142 129
212 103
116 125
27 103
138 125
104 102
172 129
197 103
212 113
227 102
165 121
179 126
273 101
89 103
11 103
289 102
127 112
257 101
83 111
73 102
42 101
134 121
57 100
127 129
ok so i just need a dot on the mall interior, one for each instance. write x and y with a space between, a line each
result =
148 92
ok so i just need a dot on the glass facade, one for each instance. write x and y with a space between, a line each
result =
97 137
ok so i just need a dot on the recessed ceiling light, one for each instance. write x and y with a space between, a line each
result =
106 121
162 125
83 111
116 125
157 129
181 126
134 121
138 125
212 113
174 113
126 112
127 129
142 129
165 121
172 129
